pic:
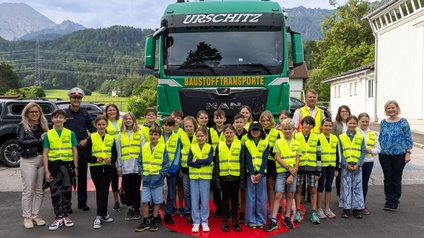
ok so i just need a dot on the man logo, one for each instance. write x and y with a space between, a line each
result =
223 91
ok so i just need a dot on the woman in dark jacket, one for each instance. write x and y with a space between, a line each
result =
31 133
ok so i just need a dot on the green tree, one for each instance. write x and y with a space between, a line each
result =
348 43
143 96
107 87
8 78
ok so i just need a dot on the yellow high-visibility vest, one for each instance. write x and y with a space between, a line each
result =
328 150
186 145
229 158
130 148
257 152
351 149
204 172
101 148
60 147
152 160
319 115
288 153
309 149
111 130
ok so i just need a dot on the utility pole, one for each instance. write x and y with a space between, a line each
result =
37 65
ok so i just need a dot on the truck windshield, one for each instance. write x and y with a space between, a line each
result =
224 53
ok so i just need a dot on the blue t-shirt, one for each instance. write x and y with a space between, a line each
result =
395 137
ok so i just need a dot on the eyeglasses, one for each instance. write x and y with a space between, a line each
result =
76 98
344 112
33 112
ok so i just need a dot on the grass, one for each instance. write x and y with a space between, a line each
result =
121 102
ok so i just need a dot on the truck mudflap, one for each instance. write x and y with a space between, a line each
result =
229 99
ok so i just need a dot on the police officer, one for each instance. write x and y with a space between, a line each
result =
79 121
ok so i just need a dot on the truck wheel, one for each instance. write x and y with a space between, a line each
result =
10 153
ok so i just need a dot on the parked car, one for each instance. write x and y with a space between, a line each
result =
10 117
296 103
91 108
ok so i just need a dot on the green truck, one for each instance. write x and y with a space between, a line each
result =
212 55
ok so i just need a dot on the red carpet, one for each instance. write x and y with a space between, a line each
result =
181 226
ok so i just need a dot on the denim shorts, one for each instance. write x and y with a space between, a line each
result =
152 193
280 183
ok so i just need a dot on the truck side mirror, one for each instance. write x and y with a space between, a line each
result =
149 57
297 48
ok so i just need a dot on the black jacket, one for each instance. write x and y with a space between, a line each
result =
28 142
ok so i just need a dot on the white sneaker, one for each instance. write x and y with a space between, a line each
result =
58 222
195 228
205 227
28 223
321 214
37 220
67 221
97 223
107 218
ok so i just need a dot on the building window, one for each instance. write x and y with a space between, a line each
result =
371 88
350 89
338 93
335 92
354 88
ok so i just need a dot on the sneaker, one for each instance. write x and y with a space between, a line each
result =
58 222
189 220
84 207
346 213
287 222
271 226
168 219
130 214
136 215
387 206
394 208
314 218
153 225
107 218
242 218
357 214
174 211
205 227
145 225
195 228
365 211
329 213
181 211
158 219
67 222
116 207
38 221
97 223
321 214
253 227
297 217
28 223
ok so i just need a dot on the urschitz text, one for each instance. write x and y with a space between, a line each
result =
222 17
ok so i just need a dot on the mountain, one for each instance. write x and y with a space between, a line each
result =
307 21
20 20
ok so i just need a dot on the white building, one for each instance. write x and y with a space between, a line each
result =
398 27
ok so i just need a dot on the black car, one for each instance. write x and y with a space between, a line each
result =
296 103
91 108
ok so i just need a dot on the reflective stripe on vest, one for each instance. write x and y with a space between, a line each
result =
319 115
351 149
370 141
309 149
111 130
60 147
229 158
257 153
170 145
272 137
101 148
152 160
287 153
130 149
186 145
328 150
204 172
145 130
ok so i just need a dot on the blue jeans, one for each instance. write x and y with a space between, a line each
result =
392 166
256 199
171 180
200 192
187 195
366 173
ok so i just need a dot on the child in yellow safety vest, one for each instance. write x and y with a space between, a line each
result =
372 148
309 167
201 167
60 159
353 147
257 150
241 135
330 167
101 154
287 152
230 169
153 165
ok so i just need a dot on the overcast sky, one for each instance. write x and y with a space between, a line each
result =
135 13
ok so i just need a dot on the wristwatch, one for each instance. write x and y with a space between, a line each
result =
287 167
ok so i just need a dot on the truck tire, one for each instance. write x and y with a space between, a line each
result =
10 153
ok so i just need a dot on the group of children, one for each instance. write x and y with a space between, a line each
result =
247 165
